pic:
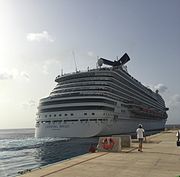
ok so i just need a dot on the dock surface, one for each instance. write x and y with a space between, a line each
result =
160 158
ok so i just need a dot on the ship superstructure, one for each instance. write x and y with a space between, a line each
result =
101 101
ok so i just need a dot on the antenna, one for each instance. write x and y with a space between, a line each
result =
97 62
74 60
61 71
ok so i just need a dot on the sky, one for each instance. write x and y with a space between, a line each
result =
38 39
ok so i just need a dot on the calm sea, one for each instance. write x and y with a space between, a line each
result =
19 150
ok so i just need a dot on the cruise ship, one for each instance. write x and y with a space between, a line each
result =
103 101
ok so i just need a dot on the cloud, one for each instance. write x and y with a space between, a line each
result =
162 88
13 74
176 98
173 102
50 65
25 75
90 53
31 103
6 76
38 37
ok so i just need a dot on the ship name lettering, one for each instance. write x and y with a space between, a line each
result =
63 126
51 126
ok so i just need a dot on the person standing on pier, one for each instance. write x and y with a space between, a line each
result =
140 136
178 133
178 137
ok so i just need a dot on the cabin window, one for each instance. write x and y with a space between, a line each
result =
92 119
57 121
83 120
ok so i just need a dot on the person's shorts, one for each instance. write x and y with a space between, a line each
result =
140 140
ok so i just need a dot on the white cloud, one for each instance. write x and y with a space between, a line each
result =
6 76
90 53
31 103
25 75
175 100
49 65
162 88
43 36
13 74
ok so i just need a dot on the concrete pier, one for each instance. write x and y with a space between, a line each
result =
160 158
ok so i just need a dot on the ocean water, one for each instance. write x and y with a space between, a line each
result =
19 150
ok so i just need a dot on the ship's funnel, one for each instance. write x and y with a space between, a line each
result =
102 61
124 59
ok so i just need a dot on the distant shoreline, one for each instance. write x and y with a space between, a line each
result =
172 126
17 128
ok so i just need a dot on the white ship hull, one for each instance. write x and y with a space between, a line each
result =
106 126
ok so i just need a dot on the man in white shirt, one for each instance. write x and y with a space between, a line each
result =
178 137
140 136
178 134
